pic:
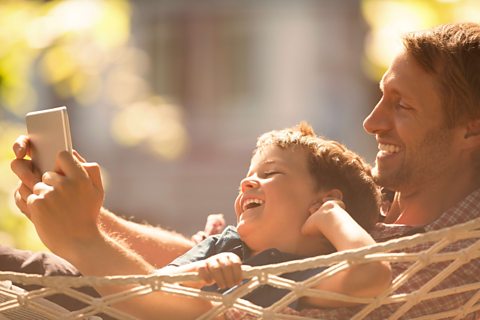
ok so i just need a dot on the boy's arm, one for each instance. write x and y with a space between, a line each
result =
156 245
362 280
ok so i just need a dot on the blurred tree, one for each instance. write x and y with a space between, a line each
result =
78 51
388 19
63 43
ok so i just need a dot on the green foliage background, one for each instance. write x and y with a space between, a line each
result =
80 50
58 44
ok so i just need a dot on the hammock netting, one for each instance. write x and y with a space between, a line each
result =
438 254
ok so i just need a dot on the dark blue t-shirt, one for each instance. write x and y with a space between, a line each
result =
229 241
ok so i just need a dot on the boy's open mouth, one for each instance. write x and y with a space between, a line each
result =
252 203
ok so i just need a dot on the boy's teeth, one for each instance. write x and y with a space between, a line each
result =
388 148
249 203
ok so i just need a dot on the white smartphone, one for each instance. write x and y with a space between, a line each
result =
49 133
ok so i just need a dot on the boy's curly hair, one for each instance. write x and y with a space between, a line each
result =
333 166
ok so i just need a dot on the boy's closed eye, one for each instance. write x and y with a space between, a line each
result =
271 173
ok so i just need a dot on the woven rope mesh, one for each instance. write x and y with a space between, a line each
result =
442 255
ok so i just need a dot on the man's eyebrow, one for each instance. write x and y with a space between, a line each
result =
394 88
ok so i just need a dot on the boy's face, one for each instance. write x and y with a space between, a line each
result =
274 200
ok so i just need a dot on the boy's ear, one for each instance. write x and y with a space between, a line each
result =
332 193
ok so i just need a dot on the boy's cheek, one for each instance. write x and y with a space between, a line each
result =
237 206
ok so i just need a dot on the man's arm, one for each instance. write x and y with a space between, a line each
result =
65 209
343 232
156 245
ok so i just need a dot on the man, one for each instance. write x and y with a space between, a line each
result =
427 125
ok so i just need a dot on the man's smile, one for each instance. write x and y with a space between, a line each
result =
386 150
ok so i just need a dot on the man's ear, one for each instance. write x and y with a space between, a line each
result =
332 193
472 133
473 129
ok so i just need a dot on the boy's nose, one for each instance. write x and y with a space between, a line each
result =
378 120
249 183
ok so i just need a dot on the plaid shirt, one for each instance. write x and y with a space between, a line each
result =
465 210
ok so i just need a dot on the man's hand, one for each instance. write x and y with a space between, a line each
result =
65 208
23 168
224 269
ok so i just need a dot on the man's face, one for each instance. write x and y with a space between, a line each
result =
274 199
415 145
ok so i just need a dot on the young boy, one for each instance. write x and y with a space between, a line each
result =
284 211
291 206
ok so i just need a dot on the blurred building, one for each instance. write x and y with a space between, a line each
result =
173 115
235 69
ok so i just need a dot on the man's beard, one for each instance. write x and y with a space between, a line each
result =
421 163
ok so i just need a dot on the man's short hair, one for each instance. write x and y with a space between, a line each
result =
452 53
332 166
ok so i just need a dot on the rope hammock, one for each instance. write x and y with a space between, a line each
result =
447 249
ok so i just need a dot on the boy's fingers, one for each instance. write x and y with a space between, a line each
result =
337 201
230 271
226 272
315 207
199 237
213 268
236 270
204 274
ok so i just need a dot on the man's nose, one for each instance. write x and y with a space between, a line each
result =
378 120
249 183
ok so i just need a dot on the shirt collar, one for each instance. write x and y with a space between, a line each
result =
465 210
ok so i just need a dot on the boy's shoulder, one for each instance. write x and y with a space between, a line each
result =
227 241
